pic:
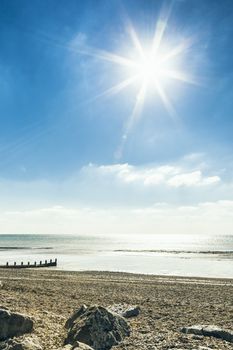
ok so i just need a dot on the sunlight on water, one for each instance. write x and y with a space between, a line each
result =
188 255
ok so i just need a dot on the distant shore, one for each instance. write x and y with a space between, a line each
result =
167 303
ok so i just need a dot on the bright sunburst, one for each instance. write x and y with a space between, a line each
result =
151 68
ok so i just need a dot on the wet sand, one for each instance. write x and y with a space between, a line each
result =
167 304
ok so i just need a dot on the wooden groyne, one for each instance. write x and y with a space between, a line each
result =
34 265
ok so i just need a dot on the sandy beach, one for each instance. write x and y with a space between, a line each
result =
167 304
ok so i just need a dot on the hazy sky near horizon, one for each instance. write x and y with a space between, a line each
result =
95 139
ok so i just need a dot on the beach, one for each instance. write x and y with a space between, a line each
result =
166 303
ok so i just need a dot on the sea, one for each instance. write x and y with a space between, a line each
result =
166 254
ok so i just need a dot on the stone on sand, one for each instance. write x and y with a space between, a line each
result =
77 346
13 324
131 312
125 310
209 331
97 327
26 344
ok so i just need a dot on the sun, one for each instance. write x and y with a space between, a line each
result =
151 67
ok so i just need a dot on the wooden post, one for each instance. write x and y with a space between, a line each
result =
27 264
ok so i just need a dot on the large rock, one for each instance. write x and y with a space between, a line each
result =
26 344
97 327
210 331
13 324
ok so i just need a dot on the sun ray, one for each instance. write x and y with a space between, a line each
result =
115 89
178 50
136 113
167 104
158 36
160 29
136 41
181 76
140 99
105 56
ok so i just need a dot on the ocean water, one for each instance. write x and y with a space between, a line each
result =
180 255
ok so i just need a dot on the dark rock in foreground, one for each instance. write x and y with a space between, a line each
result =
26 344
97 327
210 331
13 324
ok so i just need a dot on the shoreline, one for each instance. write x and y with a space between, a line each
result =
167 303
146 274
120 274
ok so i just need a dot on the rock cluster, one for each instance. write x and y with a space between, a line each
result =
210 331
97 327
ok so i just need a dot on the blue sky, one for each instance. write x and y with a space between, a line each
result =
61 133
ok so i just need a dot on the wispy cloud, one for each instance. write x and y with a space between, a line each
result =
168 175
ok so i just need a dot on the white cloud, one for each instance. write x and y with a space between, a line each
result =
168 175
121 198
194 178
204 218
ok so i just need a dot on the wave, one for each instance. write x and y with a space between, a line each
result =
24 248
217 252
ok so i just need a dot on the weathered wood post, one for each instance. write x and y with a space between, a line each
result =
27 264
